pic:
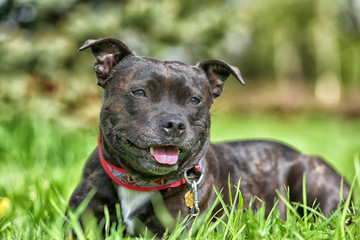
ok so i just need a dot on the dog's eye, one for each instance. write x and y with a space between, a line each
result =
139 93
194 101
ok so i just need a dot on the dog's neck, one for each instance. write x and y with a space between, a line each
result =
123 178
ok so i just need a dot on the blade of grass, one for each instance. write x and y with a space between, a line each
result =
289 206
342 224
304 199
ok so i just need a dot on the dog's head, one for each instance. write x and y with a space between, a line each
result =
155 118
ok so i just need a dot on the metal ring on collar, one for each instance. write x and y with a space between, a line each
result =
188 181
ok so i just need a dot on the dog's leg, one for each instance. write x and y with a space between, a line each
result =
95 179
324 186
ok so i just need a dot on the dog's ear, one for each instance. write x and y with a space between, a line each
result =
108 53
217 72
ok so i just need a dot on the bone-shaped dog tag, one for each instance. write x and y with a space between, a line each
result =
189 199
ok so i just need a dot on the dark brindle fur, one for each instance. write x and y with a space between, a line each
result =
165 105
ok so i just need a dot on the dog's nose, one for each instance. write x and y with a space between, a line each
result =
173 126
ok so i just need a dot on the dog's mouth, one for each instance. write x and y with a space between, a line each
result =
165 155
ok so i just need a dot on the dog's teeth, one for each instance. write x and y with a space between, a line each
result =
152 151
178 151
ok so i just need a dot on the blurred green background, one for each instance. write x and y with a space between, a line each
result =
300 60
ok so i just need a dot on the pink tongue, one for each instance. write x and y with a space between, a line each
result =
166 155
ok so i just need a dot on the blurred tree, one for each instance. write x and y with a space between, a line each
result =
290 41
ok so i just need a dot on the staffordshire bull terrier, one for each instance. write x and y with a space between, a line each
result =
154 141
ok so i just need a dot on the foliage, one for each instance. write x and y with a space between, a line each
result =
312 34
286 40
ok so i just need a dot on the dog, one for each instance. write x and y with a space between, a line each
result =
153 146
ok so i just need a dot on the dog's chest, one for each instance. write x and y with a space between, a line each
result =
131 203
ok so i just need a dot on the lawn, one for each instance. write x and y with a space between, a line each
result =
42 159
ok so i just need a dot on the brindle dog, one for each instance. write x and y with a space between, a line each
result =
154 129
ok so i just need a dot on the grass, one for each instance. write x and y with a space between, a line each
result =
42 159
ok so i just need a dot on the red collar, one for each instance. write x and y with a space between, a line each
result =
123 178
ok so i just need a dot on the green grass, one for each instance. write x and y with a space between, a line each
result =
42 159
